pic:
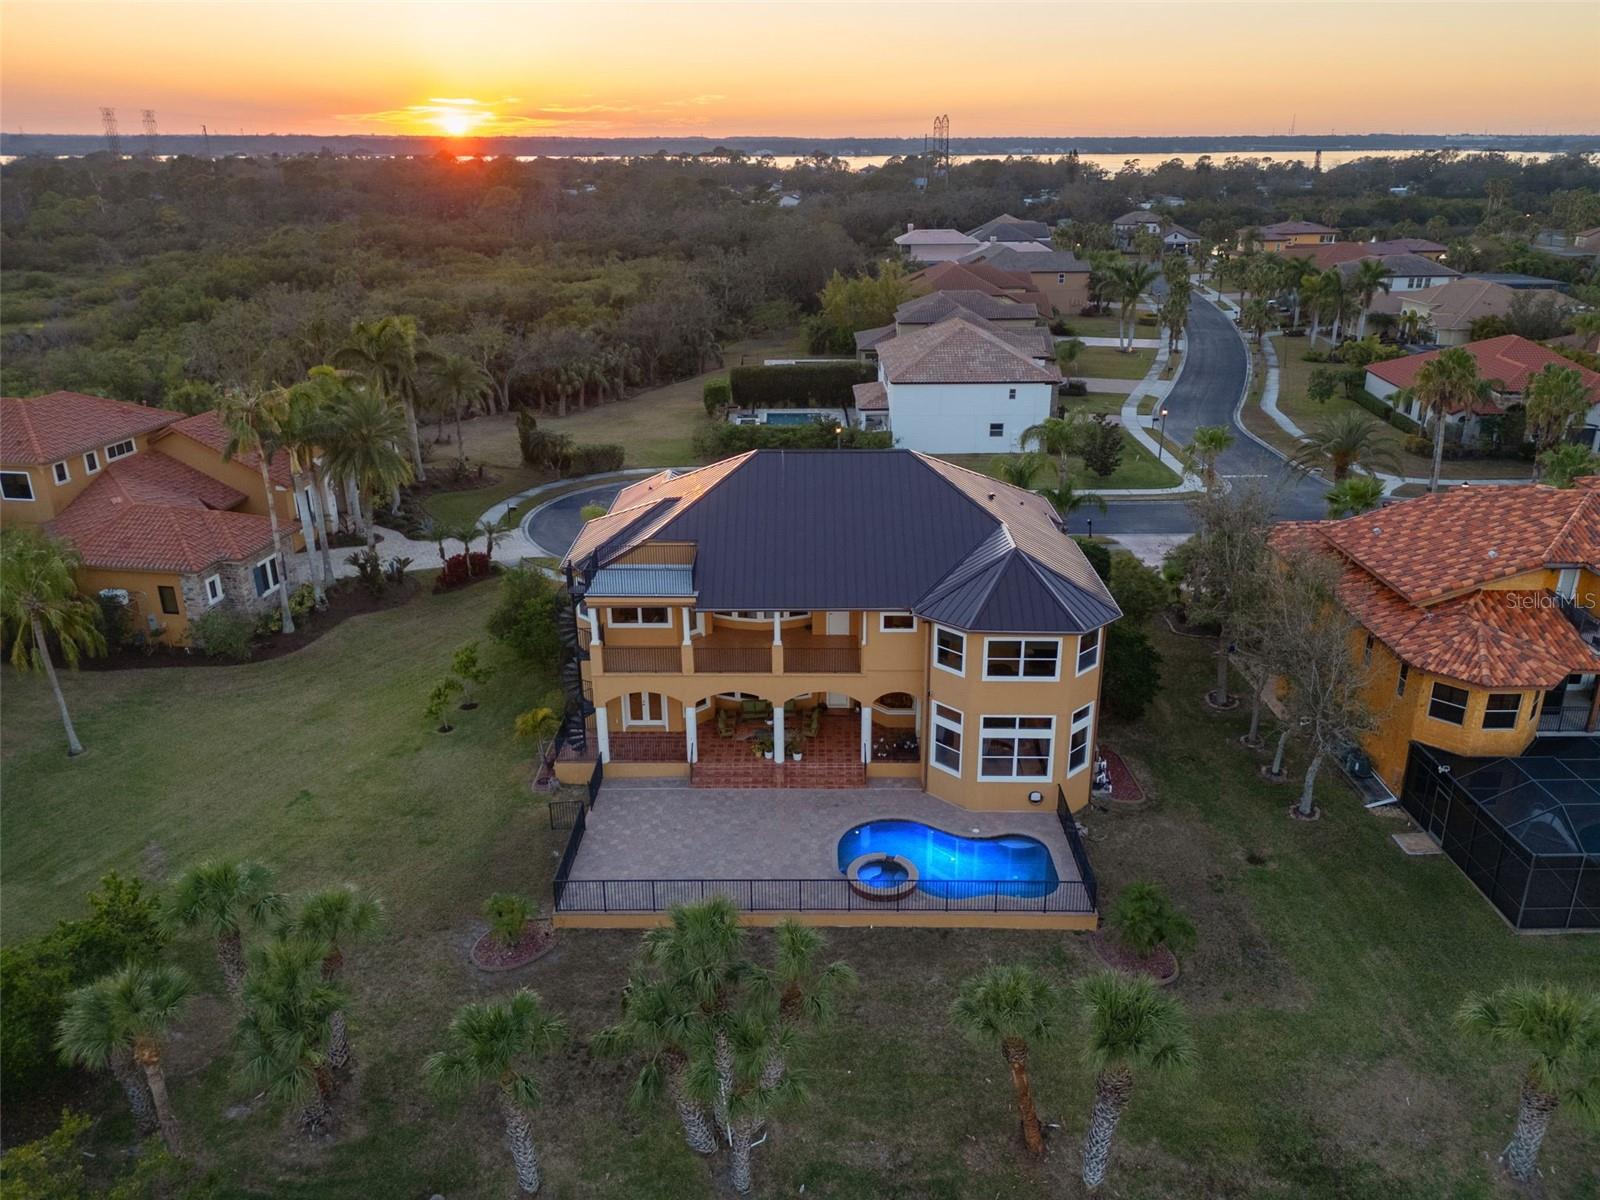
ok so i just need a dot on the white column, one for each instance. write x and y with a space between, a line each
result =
777 627
602 732
688 622
866 733
777 733
691 731
594 625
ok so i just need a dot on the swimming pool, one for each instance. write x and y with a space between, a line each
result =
956 867
800 417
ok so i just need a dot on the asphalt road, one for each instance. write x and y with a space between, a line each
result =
1206 394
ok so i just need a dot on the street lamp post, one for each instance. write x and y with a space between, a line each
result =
1161 436
838 437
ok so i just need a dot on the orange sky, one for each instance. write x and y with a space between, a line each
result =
754 68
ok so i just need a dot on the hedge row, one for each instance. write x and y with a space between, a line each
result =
721 440
810 385
557 451
1384 412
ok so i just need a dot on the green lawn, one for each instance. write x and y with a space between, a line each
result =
1107 362
1094 402
1139 469
1320 990
1103 326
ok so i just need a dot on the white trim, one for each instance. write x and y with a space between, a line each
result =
1049 760
270 561
91 462
132 445
882 628
1079 668
59 469
1082 718
959 725
937 630
1022 660
629 721
27 478
641 623
218 597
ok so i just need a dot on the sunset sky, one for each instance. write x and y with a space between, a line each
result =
752 68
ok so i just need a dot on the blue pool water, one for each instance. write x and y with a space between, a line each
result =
791 418
957 867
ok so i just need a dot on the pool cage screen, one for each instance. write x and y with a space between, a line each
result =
1525 830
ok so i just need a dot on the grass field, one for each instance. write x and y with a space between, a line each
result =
1320 990
1139 469
1107 362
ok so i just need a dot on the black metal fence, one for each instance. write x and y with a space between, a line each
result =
573 815
1080 856
815 895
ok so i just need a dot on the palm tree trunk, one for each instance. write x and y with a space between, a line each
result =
1521 1155
1112 1088
739 1146
310 529
1016 1056
1438 451
1308 804
150 1059
1277 756
339 1056
318 1114
697 1132
416 442
461 449
723 1057
519 1140
230 957
1253 738
324 524
371 523
135 1088
74 746
277 545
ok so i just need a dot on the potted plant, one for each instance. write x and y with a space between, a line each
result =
762 744
794 747
1149 932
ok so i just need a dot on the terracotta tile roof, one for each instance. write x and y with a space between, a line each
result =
157 478
642 507
871 397
207 429
960 351
866 339
980 276
1331 254
46 429
1283 229
1509 362
1457 304
936 306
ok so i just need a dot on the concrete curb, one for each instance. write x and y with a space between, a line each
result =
1152 384
580 483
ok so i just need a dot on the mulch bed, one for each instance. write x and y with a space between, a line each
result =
1161 966
490 954
1125 787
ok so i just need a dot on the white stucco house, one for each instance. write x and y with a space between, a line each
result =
935 245
960 386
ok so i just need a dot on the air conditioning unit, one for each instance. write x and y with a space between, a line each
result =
115 595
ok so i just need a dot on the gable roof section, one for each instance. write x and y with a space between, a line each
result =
959 350
1047 262
1508 361
207 429
45 429
935 306
980 276
934 237
1402 265
1283 229
1006 228
981 554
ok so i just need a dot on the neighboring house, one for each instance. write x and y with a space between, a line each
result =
1477 610
1282 234
1451 307
1061 275
982 277
936 306
1011 231
963 386
789 200
1407 272
948 636
1520 282
1163 202
158 518
1508 362
1332 254
1175 239
1130 224
935 245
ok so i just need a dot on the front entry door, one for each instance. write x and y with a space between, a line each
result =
644 708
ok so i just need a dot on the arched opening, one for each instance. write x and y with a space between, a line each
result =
895 728
808 739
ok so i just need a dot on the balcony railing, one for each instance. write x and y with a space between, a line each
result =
836 655
733 660
645 660
829 655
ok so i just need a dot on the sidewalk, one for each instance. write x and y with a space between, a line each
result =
1152 385
1138 343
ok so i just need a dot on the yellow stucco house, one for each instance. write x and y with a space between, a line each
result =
160 520
838 620
1281 235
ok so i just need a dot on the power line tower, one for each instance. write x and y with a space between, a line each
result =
108 121
940 146
147 117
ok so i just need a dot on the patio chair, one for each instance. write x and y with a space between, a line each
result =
813 722
727 723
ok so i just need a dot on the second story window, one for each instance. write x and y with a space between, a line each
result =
1400 680
16 485
897 622
1502 710
950 651
91 462
1088 651
63 473
119 450
1021 658
639 615
1448 704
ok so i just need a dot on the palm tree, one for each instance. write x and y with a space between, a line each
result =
1354 495
1019 470
335 917
1066 499
254 421
1292 273
1411 323
39 600
1369 278
361 447
1255 318
1055 436
462 383
1556 397
1131 280
493 532
1347 440
1128 1024
1068 351
1560 1026
223 897
804 989
388 354
307 412
658 1021
1447 384
285 1024
128 1013
1016 1008
1175 314
498 1043
730 1069
90 1034
1206 447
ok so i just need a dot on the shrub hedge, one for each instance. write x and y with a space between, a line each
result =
541 448
723 439
1383 412
811 385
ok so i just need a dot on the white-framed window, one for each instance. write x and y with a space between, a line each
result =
1400 679
644 708
213 589
946 738
950 651
638 615
62 472
1088 651
1502 710
265 574
897 622
16 485
997 429
120 449
1022 658
91 462
1061 276
757 614
1078 738
1011 393
1015 748
1448 704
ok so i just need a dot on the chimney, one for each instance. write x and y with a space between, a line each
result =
910 227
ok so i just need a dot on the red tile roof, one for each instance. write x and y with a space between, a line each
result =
871 397
46 429
1508 361
207 429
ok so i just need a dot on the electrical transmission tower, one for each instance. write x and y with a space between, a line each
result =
108 119
147 117
941 146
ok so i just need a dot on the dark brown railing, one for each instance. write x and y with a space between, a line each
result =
645 660
734 660
838 654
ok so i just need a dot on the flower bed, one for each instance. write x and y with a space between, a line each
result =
491 954
1161 965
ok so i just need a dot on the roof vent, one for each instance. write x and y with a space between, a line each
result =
1377 529
991 495
1494 553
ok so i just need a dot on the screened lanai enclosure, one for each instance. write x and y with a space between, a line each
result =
1525 830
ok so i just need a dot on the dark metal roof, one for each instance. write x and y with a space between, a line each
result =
878 529
632 580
